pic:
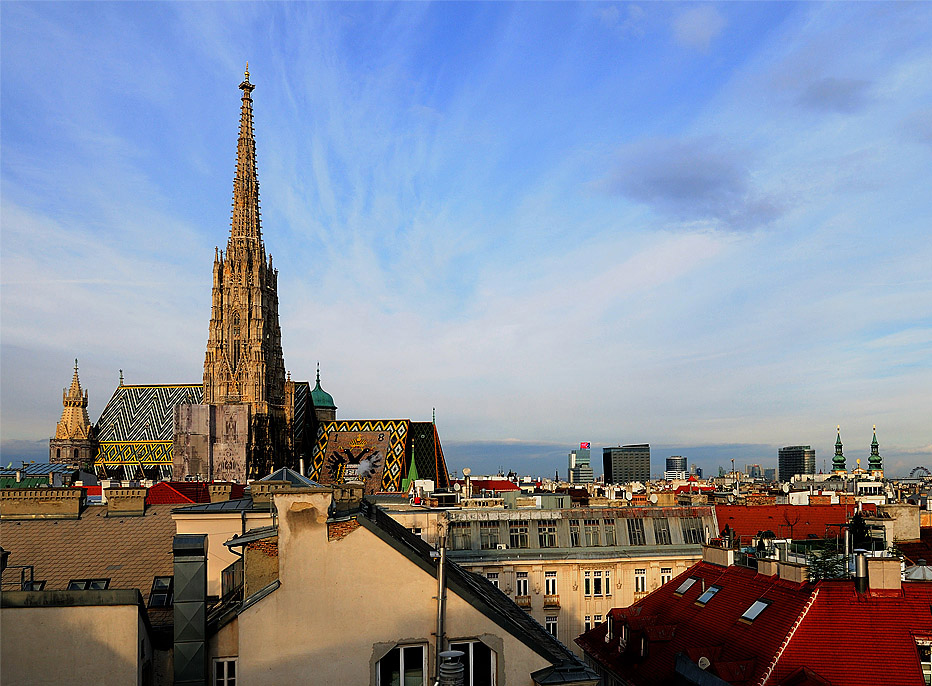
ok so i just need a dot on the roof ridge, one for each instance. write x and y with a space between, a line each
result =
789 637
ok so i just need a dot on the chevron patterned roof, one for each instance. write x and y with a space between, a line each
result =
144 413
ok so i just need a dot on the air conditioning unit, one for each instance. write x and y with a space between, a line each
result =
502 546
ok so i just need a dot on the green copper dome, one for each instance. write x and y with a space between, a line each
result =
320 398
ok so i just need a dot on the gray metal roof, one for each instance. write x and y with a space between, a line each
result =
237 505
292 477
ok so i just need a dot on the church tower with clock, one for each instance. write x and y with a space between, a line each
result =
244 364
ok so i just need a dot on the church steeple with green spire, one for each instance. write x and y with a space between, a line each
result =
875 461
838 462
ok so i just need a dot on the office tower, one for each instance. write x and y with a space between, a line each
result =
626 463
580 469
676 468
795 459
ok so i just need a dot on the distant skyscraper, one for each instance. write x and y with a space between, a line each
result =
580 469
755 471
795 459
676 468
626 463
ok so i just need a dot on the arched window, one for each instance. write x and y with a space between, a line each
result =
76 453
57 453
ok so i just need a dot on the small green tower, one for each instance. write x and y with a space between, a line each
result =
875 461
838 462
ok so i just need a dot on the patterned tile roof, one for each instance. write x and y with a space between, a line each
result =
843 637
130 551
144 413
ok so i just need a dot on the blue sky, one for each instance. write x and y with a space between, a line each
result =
703 226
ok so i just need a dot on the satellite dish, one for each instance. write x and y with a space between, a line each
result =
466 471
653 498
731 499
457 487
786 488
703 662
629 495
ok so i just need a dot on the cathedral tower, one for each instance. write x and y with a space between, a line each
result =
75 441
244 363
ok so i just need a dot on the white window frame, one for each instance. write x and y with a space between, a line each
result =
666 575
493 578
587 583
588 622
550 583
521 584
468 655
550 622
225 679
401 663
640 580
597 584
608 582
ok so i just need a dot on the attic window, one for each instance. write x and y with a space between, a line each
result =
162 591
707 596
754 611
685 586
88 584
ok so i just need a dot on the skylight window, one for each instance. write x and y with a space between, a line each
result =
754 611
685 586
707 596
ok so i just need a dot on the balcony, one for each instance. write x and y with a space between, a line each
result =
551 602
640 594
523 601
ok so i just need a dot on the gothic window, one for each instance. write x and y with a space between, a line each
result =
235 336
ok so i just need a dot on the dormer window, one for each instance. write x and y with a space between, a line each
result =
685 586
754 611
707 595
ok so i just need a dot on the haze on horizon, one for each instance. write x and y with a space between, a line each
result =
703 226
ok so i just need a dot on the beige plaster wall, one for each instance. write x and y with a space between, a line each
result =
49 646
343 604
220 528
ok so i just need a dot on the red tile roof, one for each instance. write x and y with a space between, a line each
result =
787 521
920 549
479 485
184 493
843 637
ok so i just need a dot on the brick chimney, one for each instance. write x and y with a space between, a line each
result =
262 491
220 492
883 574
42 503
126 502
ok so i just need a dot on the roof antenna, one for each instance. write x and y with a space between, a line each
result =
435 415
121 377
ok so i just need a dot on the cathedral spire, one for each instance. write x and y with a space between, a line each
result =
74 422
246 223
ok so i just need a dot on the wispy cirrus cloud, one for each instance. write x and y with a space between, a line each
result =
697 27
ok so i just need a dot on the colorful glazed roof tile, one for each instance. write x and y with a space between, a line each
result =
839 635
377 452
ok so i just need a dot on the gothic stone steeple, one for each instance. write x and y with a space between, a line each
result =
244 362
74 441
875 461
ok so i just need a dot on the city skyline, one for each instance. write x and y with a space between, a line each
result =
699 226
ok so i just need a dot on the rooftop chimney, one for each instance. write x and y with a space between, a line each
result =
220 492
126 502
262 491
883 574
860 571
42 503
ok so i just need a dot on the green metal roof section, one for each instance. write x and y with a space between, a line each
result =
875 460
838 462
319 397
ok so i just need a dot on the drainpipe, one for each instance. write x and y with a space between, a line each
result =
441 597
